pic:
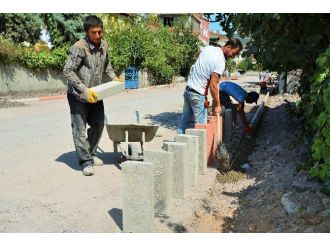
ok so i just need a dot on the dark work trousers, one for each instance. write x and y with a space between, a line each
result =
93 115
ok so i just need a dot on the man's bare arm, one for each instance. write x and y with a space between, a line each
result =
240 109
214 88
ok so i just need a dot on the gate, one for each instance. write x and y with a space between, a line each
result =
131 77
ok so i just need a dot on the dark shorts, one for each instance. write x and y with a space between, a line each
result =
226 101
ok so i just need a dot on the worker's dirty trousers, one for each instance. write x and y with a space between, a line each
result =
93 115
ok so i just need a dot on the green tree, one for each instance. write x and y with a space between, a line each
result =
163 55
64 28
21 27
164 52
230 65
247 64
316 111
281 42
244 65
183 34
124 48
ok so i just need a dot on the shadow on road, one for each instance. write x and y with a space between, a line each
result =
169 120
117 215
71 160
175 227
109 158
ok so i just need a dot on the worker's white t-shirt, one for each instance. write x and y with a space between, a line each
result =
211 59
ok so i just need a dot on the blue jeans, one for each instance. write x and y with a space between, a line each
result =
193 109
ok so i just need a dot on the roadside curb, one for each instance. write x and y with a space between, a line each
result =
41 98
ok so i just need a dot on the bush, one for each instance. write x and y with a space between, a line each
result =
230 65
11 53
315 107
164 52
244 65
44 60
8 51
163 56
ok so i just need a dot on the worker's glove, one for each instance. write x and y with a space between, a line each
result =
89 95
248 130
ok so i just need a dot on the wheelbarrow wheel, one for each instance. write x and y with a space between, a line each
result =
133 150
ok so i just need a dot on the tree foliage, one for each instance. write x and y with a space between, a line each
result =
164 52
21 27
12 53
64 28
43 60
317 117
281 42
231 65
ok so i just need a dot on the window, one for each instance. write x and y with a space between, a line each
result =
168 21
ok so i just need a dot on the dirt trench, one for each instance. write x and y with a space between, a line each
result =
251 200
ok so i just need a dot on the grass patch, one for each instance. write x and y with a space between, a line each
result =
230 177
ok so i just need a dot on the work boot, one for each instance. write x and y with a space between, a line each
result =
88 170
97 161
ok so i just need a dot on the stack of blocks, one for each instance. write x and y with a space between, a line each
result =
149 185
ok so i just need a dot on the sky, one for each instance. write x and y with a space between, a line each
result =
215 26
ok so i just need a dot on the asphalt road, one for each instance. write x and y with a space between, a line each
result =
42 186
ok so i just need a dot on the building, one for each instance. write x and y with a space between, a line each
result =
200 25
217 39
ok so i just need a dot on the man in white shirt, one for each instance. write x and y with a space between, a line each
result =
205 74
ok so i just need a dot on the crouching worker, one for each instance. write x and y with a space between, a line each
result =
88 60
227 89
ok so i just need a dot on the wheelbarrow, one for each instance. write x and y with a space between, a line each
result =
126 137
